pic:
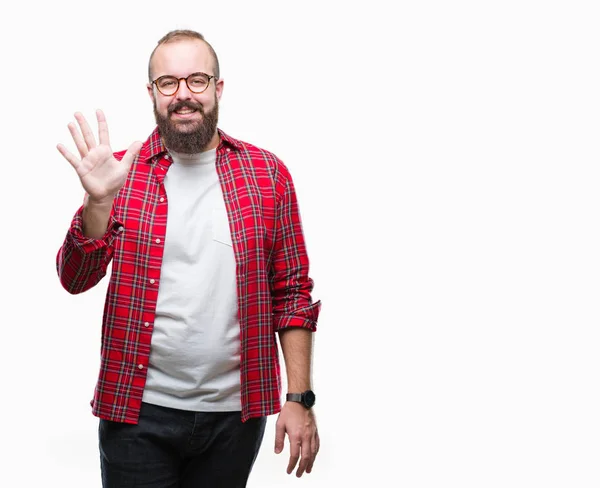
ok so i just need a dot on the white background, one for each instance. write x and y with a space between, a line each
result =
445 156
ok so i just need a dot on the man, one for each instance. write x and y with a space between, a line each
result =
208 262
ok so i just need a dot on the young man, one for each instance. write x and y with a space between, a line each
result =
208 262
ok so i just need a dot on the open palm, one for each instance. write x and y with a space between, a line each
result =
101 174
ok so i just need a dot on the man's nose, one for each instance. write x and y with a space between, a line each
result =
183 93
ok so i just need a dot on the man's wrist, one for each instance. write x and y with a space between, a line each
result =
106 202
306 398
96 217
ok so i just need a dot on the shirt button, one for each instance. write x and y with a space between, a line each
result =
228 149
140 366
121 229
162 199
146 324
151 281
157 241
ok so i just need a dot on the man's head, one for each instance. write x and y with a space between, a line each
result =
186 112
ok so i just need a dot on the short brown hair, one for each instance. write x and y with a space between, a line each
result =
176 35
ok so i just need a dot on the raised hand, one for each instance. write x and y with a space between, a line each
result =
101 174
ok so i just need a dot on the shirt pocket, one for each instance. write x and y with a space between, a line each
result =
219 223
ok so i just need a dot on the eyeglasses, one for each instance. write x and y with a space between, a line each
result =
169 85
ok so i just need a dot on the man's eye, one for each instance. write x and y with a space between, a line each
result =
198 81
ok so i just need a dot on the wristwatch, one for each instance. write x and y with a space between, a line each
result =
306 398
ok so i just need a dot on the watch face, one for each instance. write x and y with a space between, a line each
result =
309 398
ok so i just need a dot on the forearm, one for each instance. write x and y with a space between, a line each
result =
96 216
297 346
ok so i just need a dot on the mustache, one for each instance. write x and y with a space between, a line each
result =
186 104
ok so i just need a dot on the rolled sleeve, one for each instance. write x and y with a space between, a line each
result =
88 245
305 318
291 285
81 261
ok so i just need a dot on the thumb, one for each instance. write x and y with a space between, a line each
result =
279 436
131 153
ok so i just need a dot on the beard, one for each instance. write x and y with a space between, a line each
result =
188 136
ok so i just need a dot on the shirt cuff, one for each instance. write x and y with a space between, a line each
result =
87 244
305 318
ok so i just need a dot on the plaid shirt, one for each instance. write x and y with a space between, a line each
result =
273 286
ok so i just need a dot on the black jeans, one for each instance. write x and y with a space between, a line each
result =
179 449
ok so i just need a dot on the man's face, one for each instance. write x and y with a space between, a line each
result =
187 121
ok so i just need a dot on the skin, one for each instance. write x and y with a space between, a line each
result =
294 420
180 59
102 176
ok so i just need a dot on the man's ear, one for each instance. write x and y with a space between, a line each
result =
219 88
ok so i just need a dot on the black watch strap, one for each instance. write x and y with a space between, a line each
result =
294 397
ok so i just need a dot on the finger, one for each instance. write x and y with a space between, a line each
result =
68 155
79 142
131 153
88 135
279 437
294 454
102 128
306 457
314 451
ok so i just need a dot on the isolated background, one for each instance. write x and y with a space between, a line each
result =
445 156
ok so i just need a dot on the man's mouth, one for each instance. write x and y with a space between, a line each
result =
185 111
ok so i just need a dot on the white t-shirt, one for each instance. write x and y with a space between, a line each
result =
195 352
